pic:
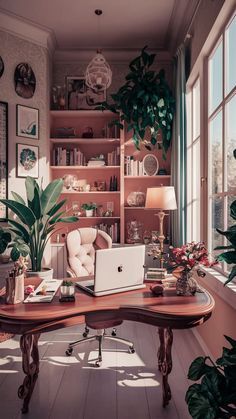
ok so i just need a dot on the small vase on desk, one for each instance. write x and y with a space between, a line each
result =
186 284
15 289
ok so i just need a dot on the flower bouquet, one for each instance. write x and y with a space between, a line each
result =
184 261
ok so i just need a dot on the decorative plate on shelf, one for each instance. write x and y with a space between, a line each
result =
150 165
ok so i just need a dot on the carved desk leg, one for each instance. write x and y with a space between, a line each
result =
165 361
30 365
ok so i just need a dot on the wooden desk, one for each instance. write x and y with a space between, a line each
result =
167 312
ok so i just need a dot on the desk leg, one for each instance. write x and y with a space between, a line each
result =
30 365
165 361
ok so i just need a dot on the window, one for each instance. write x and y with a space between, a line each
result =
211 137
193 163
221 134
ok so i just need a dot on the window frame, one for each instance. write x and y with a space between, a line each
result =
200 70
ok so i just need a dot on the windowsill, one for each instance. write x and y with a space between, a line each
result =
214 281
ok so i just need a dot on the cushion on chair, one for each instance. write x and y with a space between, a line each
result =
81 246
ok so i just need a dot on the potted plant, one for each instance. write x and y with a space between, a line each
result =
145 103
215 396
67 288
5 240
37 219
89 208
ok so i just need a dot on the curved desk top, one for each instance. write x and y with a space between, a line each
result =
167 312
141 305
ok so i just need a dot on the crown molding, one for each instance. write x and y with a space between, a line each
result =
115 55
27 30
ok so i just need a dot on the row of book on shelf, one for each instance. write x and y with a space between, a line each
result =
111 229
62 156
133 167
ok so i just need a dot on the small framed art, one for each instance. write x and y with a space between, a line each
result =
3 157
27 160
79 96
27 122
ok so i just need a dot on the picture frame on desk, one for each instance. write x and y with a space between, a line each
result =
79 96
3 158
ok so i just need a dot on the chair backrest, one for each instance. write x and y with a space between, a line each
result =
81 245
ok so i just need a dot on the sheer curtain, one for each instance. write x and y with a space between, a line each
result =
179 151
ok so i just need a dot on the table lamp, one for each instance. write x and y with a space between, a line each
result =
162 198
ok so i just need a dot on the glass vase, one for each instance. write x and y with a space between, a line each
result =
186 284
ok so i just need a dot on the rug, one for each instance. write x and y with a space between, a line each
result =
4 336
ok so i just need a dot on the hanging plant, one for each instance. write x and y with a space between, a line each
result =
145 102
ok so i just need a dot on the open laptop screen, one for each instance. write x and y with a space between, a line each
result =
119 267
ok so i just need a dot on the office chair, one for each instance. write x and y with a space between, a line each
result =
81 245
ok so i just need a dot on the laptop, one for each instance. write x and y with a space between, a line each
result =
116 270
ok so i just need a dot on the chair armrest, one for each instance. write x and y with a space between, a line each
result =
70 273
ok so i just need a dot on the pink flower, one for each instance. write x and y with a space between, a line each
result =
191 255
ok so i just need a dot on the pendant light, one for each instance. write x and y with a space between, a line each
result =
98 75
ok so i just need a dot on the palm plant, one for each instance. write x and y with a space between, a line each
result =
36 220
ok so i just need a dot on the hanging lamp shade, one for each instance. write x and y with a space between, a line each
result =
98 74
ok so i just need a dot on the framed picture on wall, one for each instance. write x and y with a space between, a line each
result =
27 160
79 96
3 157
27 122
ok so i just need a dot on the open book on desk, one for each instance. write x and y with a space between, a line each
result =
45 292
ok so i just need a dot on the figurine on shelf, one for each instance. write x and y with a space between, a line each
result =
87 133
134 232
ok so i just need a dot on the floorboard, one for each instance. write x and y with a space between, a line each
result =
126 386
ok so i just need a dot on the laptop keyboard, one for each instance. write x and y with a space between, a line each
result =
91 287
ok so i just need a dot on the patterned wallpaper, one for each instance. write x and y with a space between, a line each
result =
13 51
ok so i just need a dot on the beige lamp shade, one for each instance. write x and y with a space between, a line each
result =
162 197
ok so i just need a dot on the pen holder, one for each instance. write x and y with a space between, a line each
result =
15 289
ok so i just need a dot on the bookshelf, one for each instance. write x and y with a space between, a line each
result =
74 157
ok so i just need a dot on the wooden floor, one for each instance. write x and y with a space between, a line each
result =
127 386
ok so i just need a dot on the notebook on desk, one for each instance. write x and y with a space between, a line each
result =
116 270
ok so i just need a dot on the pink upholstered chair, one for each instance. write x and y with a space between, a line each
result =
81 245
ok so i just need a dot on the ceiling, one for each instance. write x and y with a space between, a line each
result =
124 24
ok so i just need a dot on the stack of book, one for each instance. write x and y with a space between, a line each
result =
96 163
133 167
155 274
113 158
67 157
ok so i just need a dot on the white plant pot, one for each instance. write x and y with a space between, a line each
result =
89 213
67 290
46 273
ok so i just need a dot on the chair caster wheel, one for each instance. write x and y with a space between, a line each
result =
69 351
113 333
85 334
98 364
131 350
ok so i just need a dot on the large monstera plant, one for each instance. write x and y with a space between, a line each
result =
36 220
145 103
215 396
